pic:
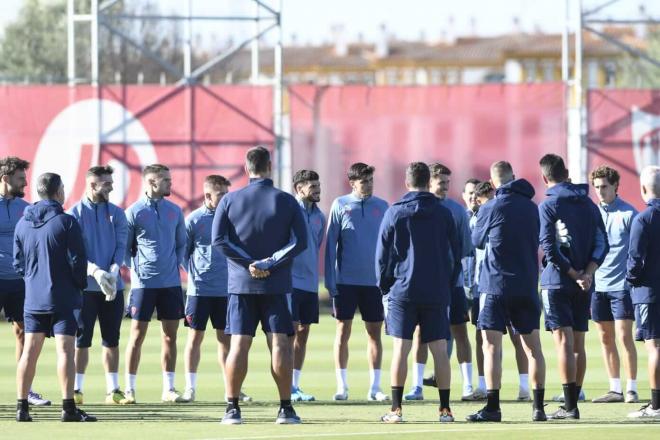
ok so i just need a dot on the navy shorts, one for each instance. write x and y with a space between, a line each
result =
63 323
458 310
567 307
199 309
522 313
305 307
647 318
350 297
12 299
245 311
403 317
109 313
610 306
168 302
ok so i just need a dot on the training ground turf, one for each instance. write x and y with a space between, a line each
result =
356 418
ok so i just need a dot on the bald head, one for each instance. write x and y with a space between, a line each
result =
649 180
501 173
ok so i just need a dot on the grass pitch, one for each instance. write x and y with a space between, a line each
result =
324 419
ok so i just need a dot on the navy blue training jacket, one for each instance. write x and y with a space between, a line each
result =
644 255
509 226
259 223
418 250
571 204
49 252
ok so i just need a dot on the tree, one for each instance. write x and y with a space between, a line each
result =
638 73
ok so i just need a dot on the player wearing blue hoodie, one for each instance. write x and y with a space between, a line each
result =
458 312
260 230
643 274
207 294
416 266
349 274
574 244
508 226
49 253
104 230
156 247
13 181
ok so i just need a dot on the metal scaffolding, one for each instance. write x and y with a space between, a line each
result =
576 111
265 18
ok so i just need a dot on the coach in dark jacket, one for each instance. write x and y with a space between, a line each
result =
509 226
644 277
574 242
49 253
260 229
417 260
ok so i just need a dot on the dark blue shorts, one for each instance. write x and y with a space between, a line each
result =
51 323
12 299
647 319
305 307
199 309
458 310
610 306
568 307
167 301
350 297
522 313
245 311
403 317
109 313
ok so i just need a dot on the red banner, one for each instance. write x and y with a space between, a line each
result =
465 127
624 133
195 131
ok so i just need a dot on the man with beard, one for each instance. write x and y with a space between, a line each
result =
305 273
104 231
156 248
13 181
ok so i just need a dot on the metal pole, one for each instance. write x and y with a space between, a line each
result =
94 62
564 43
71 44
579 98
187 46
277 98
254 77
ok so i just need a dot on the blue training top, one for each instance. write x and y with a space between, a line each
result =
11 211
206 265
156 243
105 231
618 217
352 234
306 265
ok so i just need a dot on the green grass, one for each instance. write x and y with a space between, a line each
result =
322 419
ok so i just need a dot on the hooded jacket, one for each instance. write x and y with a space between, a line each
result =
104 231
353 226
306 264
11 211
571 204
417 251
508 226
259 223
156 243
206 265
618 217
49 253
644 255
